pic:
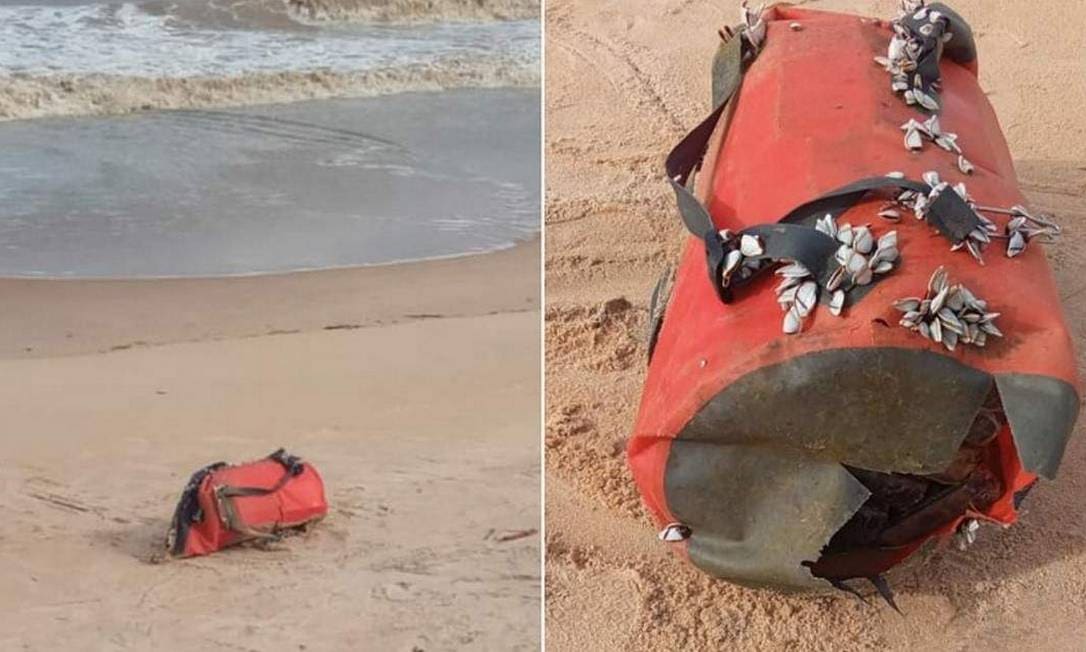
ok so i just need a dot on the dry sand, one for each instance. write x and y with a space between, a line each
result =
625 80
413 388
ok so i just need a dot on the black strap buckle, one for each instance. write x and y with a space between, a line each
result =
292 463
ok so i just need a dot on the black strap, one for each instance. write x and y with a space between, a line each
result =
839 200
686 157
228 491
292 466
729 64
657 305
188 510
931 50
949 213
681 163
805 245
292 463
962 47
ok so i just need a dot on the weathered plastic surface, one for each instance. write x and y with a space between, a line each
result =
299 501
814 112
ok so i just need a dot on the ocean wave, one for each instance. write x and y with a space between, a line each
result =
413 11
283 14
181 40
29 96
287 14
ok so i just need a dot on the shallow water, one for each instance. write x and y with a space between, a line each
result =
270 188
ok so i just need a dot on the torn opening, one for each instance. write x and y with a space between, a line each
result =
905 510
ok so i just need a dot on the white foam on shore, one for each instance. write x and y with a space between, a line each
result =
95 94
126 40
113 58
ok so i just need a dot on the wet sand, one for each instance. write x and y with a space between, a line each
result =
118 390
625 81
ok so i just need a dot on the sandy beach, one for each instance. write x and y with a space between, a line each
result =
118 390
227 228
625 80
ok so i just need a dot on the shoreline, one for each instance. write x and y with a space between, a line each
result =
64 317
287 272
